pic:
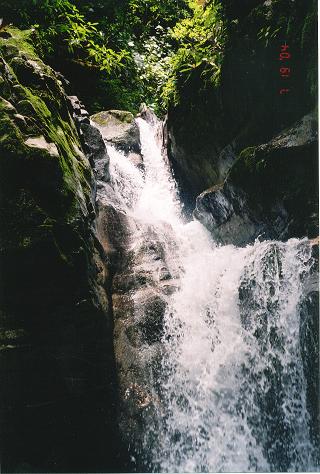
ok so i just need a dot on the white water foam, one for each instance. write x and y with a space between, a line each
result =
232 386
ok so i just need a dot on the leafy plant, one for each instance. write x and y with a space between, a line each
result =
200 39
82 38
142 49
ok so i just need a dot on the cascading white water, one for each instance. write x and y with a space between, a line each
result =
232 387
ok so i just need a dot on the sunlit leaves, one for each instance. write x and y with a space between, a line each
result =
83 40
144 49
200 39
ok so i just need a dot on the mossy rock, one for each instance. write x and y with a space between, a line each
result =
112 117
283 171
45 179
119 128
53 311
20 40
41 101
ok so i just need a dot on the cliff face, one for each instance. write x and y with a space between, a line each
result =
57 368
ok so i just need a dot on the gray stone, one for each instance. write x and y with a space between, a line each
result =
269 192
42 144
96 150
119 128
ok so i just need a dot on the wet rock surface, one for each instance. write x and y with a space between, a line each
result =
270 191
119 129
139 303
141 287
91 139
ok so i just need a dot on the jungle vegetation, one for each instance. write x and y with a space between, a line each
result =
125 52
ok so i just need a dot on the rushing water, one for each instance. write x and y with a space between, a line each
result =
232 387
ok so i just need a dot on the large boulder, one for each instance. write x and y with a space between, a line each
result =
119 128
270 191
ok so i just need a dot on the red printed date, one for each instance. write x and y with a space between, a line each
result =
285 69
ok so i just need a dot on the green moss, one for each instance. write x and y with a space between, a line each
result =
248 165
60 185
6 106
22 40
10 136
112 116
37 107
122 115
243 165
69 177
247 153
11 334
76 173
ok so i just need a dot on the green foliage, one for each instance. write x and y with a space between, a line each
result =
200 40
148 50
68 29
152 61
282 19
144 16
142 48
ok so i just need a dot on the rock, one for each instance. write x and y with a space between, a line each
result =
147 114
136 159
119 129
5 34
141 286
7 105
11 51
29 71
224 211
96 150
315 241
41 143
63 80
20 118
269 192
75 102
91 140
57 369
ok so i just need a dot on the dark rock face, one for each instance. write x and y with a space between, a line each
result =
224 211
59 392
270 191
96 150
91 140
147 114
140 292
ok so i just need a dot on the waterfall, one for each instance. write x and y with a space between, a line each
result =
231 387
